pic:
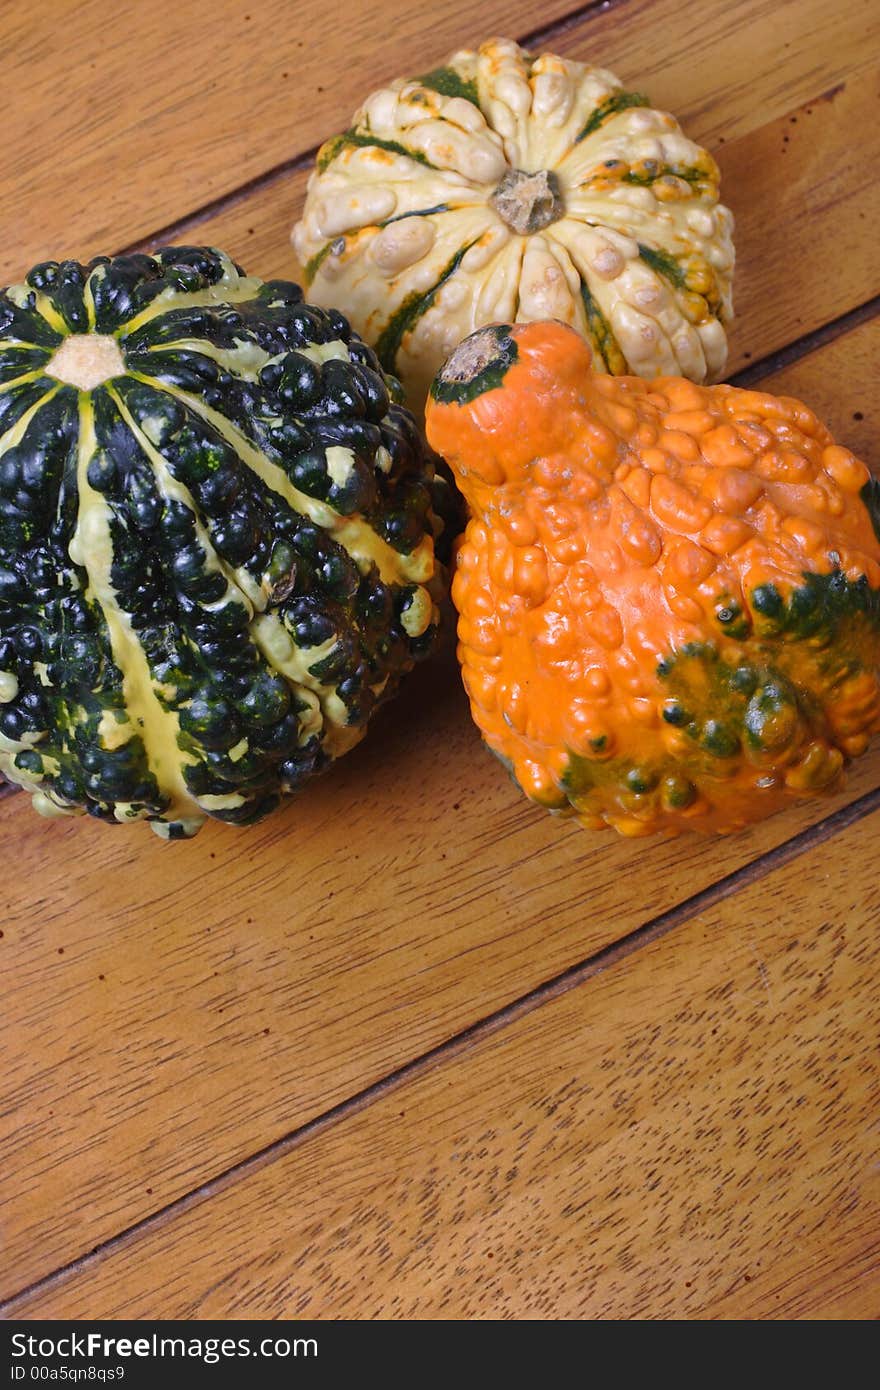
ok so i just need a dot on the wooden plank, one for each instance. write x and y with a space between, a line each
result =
804 250
118 120
729 69
684 1135
199 100
275 972
803 207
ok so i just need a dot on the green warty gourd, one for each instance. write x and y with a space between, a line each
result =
216 539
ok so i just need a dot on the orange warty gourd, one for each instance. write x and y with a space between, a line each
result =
668 594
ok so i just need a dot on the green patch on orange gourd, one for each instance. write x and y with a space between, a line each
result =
871 499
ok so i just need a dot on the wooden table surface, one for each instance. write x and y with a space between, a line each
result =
410 1047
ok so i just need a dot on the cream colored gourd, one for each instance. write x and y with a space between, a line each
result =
504 186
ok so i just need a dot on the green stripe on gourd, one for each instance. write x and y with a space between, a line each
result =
21 363
695 276
663 263
611 106
413 308
653 170
358 139
314 263
450 83
416 212
187 627
601 333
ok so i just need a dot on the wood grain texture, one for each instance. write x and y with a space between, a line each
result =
144 112
183 1006
234 91
687 1134
803 209
728 69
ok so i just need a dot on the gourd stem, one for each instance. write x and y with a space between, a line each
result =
527 203
471 358
87 360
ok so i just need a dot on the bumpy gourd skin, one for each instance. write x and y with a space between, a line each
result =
509 185
669 595
216 539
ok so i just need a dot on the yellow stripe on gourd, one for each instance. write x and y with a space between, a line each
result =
362 543
236 290
91 546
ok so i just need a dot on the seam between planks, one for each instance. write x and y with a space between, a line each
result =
809 342
545 32
234 196
495 1022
